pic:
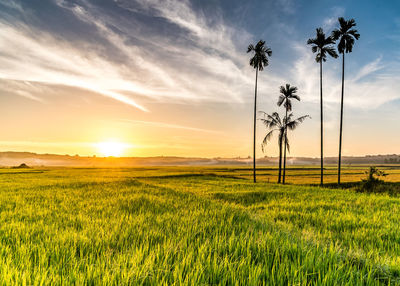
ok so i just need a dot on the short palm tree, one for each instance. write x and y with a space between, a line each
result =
274 123
346 36
287 94
258 61
322 45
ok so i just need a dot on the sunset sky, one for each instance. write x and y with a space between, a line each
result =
173 78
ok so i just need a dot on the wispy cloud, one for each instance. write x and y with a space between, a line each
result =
368 69
330 22
21 88
360 94
53 61
198 58
12 5
205 66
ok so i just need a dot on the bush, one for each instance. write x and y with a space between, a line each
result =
373 183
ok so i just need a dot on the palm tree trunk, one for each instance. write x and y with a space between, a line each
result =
280 160
322 128
254 130
341 124
284 146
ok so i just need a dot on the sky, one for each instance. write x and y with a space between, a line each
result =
172 77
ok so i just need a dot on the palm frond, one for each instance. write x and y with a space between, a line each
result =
336 34
269 123
295 96
268 136
331 51
314 49
311 41
291 90
260 44
268 51
287 143
302 118
350 23
342 22
281 99
292 124
277 117
354 33
262 112
329 41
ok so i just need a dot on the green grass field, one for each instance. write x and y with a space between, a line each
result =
196 226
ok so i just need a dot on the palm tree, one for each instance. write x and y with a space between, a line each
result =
322 45
274 123
346 35
287 94
258 61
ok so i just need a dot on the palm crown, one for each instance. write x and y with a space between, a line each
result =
275 123
322 45
261 54
346 35
287 93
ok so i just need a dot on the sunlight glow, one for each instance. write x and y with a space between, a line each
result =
111 148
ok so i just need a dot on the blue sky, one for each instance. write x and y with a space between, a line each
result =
172 77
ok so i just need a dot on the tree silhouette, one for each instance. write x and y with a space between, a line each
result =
287 94
346 36
258 61
322 45
275 124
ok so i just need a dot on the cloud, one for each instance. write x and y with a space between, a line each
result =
196 58
365 95
45 59
368 69
330 22
12 5
205 66
21 88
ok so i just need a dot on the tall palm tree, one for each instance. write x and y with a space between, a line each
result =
287 94
322 45
258 61
346 36
274 123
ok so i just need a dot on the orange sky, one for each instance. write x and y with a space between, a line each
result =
177 82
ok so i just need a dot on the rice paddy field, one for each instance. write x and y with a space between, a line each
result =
195 226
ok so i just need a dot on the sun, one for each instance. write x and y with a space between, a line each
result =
111 148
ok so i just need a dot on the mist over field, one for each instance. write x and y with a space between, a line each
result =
9 159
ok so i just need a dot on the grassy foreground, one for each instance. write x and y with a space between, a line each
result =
190 226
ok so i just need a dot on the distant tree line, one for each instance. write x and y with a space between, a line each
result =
392 161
